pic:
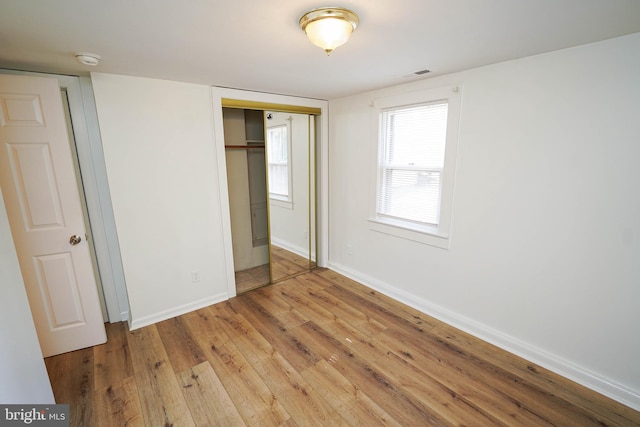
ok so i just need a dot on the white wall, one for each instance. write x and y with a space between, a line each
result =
544 257
23 376
162 168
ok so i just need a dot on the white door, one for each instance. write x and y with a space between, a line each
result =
42 198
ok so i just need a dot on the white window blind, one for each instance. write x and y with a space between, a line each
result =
411 160
278 160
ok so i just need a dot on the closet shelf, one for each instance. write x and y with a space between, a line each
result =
243 147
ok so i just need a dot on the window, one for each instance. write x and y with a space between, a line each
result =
417 136
278 161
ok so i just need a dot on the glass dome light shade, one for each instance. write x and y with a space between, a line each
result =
329 27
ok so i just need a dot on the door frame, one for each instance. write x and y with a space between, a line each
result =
322 166
93 176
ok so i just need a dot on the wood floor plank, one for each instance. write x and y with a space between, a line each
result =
307 307
398 309
74 371
496 403
338 307
343 331
600 407
347 399
118 405
161 396
436 397
207 398
350 335
463 375
275 332
182 349
295 394
271 301
255 402
112 359
355 340
390 397
368 304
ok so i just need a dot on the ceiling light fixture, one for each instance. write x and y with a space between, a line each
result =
329 27
88 58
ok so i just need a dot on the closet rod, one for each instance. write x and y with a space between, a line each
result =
243 147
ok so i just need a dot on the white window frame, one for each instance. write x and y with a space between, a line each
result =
278 199
431 235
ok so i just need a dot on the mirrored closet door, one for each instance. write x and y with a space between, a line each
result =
291 182
270 156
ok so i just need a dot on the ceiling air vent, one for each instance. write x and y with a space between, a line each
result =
416 74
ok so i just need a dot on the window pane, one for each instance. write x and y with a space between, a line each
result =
416 135
411 194
277 145
277 138
278 180
411 160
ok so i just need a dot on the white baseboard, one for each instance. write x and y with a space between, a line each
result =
303 252
176 311
531 353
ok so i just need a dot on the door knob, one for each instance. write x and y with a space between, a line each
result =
75 239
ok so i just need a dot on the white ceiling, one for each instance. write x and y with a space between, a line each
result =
257 44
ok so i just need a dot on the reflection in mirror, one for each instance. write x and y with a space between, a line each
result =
270 159
290 149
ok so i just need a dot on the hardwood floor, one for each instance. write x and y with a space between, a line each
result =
285 264
318 349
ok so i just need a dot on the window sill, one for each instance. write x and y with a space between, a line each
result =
281 203
425 235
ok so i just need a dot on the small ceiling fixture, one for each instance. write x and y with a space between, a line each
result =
329 27
88 58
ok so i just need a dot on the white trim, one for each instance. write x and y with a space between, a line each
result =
428 237
527 351
223 188
176 311
281 203
298 250
101 212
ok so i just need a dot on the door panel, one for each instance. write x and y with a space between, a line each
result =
59 290
20 110
32 172
44 209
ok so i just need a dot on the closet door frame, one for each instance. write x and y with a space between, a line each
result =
247 99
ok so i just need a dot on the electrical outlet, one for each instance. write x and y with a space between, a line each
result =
305 234
195 276
349 250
